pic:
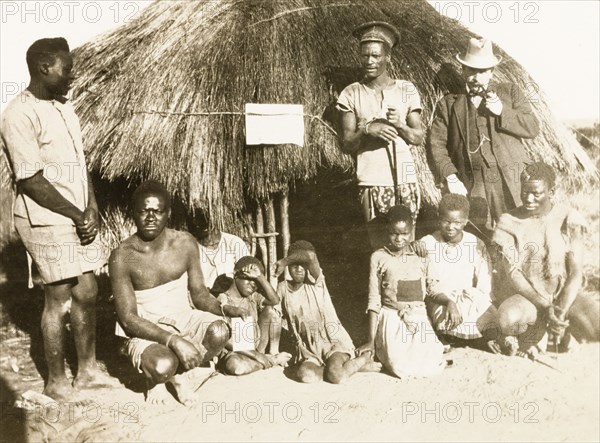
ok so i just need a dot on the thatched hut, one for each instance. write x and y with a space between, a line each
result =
163 97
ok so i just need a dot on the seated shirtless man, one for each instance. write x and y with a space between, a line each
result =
170 333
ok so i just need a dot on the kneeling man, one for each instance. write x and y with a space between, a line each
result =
173 324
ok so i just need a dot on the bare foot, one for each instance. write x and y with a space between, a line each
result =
94 379
371 366
494 347
508 345
158 395
282 359
184 389
273 350
187 384
63 392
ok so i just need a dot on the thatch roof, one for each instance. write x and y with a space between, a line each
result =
163 96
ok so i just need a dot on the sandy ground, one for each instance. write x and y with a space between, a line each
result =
482 397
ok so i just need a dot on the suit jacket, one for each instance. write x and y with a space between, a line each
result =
448 139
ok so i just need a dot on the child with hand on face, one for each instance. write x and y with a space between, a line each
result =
244 294
324 350
400 333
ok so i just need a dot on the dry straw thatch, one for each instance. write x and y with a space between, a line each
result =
162 97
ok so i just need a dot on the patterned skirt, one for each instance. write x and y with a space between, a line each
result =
382 198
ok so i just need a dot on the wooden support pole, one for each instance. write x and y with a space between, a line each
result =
272 241
251 234
260 229
284 205
265 235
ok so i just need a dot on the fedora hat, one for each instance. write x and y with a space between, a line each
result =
377 32
479 55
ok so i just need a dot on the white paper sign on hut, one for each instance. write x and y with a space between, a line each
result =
274 124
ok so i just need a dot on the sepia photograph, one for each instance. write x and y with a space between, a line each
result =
299 220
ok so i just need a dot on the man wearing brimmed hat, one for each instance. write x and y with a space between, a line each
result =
475 143
381 120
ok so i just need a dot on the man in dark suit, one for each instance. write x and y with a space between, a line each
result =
475 143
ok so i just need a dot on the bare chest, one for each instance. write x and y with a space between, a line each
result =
151 269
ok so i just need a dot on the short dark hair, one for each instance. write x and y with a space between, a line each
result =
399 213
44 51
198 221
246 261
301 245
539 171
152 187
454 202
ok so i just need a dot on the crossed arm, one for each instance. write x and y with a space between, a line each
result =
354 130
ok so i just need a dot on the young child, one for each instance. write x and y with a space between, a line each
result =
400 333
324 348
243 294
460 278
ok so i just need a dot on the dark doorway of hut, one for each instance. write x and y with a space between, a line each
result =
326 212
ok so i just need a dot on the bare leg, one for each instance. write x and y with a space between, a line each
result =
339 367
584 318
83 322
159 364
189 382
246 362
56 306
309 372
269 322
518 317
215 339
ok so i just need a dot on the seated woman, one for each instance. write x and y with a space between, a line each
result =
459 277
399 331
539 253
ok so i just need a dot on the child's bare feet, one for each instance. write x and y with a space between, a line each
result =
370 365
282 358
